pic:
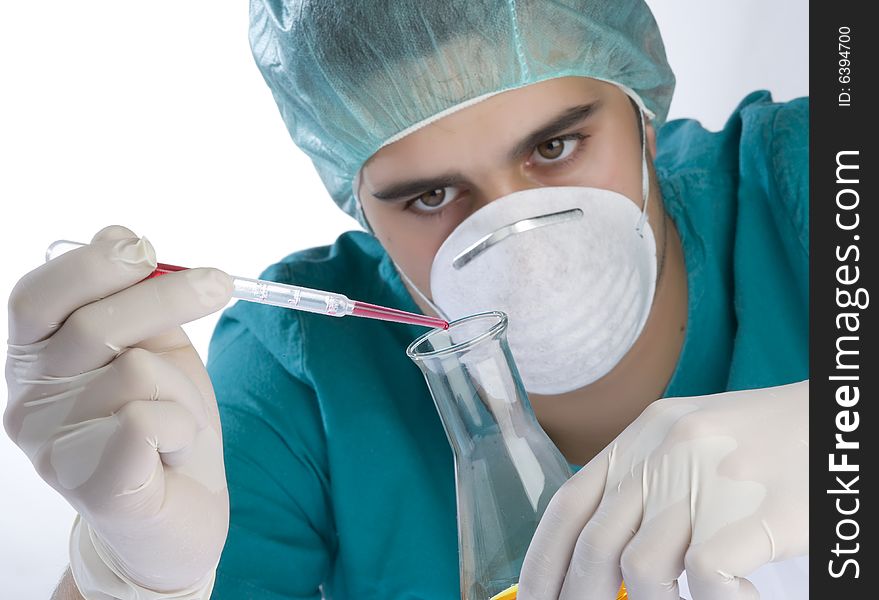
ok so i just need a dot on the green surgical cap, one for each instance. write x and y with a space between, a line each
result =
351 75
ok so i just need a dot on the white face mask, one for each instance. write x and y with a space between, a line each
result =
573 267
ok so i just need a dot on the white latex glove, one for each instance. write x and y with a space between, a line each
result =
113 406
714 484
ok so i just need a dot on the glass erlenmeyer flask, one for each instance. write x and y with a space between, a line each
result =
506 467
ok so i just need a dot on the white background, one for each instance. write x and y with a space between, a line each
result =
154 116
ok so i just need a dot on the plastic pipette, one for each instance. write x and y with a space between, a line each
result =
290 296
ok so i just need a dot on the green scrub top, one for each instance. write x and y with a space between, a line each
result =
340 476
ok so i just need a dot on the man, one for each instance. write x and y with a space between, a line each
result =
422 119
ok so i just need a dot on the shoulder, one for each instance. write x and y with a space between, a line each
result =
775 135
775 121
760 155
757 126
775 158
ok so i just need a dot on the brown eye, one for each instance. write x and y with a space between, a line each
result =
433 198
556 150
551 149
434 201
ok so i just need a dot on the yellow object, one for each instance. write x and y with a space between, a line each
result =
510 593
507 594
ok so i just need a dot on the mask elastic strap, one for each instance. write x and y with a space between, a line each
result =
645 179
361 216
421 294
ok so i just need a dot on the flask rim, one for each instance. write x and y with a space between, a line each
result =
491 332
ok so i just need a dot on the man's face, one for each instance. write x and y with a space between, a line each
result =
570 131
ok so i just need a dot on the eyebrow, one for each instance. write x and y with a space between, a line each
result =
418 186
571 116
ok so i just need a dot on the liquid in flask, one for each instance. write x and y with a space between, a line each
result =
506 467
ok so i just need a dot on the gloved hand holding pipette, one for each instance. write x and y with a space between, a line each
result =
112 404
290 296
114 407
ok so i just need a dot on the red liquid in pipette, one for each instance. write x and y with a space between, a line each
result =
163 269
361 309
371 311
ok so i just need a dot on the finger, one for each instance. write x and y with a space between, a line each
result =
113 233
101 461
94 334
136 375
166 430
166 341
174 345
594 570
654 558
45 297
549 554
188 360
716 568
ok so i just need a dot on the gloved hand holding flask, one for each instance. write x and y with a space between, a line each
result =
716 485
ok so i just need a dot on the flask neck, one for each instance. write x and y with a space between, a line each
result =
506 468
479 396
